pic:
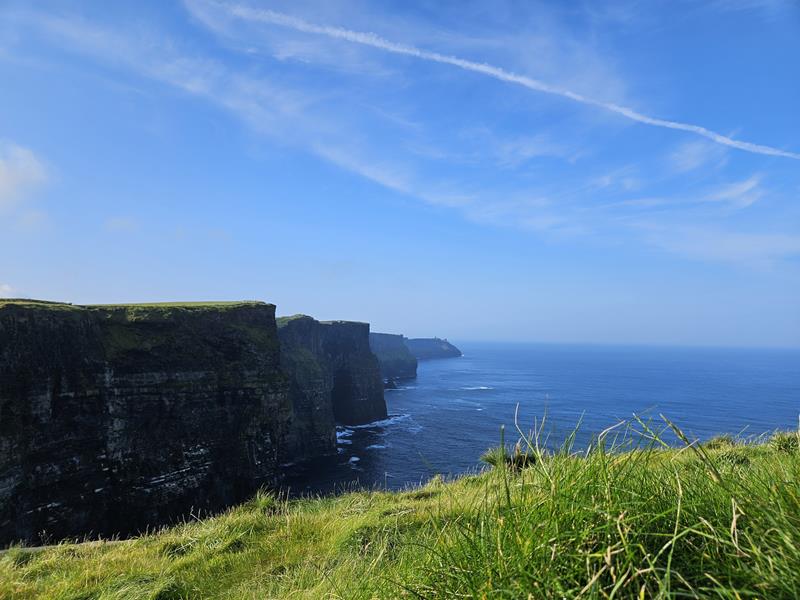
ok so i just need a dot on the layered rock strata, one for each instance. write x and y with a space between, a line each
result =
118 418
335 376
394 358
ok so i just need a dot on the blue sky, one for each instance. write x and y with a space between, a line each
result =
529 171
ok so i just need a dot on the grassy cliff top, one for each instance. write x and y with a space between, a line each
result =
39 304
721 520
193 305
288 319
214 305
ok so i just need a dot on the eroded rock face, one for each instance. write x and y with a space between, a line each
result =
115 419
357 393
336 377
313 430
393 355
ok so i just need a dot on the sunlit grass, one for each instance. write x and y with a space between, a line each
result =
628 518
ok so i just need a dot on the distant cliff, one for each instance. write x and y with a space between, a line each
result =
116 418
335 376
393 355
425 348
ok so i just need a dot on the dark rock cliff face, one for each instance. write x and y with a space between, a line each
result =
335 375
314 428
393 356
114 419
426 348
357 393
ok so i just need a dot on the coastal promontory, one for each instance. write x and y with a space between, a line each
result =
427 348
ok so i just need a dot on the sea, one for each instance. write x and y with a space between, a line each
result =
441 422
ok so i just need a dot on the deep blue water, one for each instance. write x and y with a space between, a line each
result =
444 420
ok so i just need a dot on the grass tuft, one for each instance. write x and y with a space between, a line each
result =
513 458
786 441
720 442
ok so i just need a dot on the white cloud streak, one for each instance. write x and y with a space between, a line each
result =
288 116
20 170
695 154
740 194
374 41
698 243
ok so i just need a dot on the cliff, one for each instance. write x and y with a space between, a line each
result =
425 348
311 382
393 355
335 377
118 418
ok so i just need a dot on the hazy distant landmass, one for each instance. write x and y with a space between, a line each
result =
427 348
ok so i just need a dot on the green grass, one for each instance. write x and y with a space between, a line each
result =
221 305
46 304
629 518
38 304
283 321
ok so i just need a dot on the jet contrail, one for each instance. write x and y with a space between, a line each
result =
374 41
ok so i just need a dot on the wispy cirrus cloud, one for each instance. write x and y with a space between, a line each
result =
696 154
740 194
719 245
735 195
372 40
581 202
20 171
770 7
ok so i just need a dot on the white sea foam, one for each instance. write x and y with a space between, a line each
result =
353 459
390 420
376 447
477 387
342 437
468 402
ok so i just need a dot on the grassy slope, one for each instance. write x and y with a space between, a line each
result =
720 522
